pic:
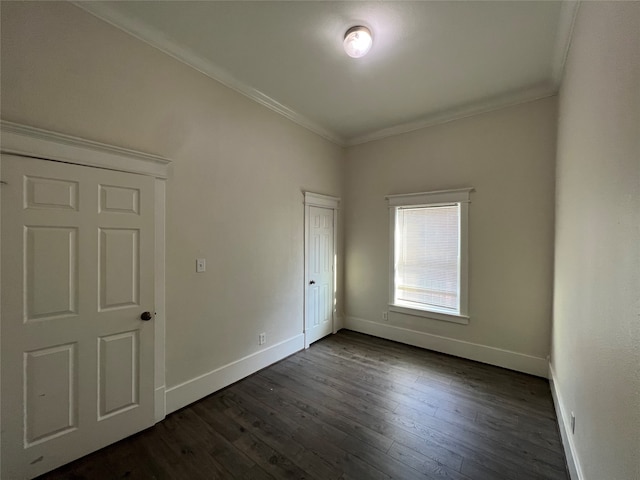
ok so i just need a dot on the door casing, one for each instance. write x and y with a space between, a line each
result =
325 201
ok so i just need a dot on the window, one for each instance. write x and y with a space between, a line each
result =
428 258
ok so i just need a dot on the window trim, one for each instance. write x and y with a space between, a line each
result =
431 199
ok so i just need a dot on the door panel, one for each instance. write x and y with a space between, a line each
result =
51 193
119 268
50 393
77 252
118 382
320 273
118 199
51 272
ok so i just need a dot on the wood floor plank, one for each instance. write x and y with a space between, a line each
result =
279 437
276 463
439 454
434 386
333 415
328 443
427 466
468 430
351 407
446 394
405 434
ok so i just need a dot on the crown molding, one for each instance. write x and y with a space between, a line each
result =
469 110
34 142
158 40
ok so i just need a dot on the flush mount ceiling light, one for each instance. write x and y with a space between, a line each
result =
357 41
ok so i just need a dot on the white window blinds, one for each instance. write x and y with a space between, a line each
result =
427 257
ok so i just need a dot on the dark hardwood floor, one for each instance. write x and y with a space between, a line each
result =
351 407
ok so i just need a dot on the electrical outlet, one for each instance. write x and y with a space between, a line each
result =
385 316
573 423
262 339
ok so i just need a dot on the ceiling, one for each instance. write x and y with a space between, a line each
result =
431 61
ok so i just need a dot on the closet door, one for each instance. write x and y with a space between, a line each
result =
77 306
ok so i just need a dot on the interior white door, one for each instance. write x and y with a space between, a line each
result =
320 274
77 252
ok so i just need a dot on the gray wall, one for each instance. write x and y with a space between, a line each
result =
596 332
508 156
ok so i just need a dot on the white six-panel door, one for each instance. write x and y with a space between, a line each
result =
77 252
320 266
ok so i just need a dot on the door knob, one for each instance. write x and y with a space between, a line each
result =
312 282
146 316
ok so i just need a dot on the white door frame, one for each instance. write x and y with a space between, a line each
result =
333 203
25 141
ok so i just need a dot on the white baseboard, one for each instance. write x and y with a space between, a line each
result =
459 348
160 407
564 422
192 390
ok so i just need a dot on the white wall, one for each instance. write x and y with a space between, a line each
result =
508 156
235 189
596 328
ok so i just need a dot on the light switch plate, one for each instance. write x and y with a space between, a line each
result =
201 265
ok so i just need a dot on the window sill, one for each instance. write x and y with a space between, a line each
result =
445 317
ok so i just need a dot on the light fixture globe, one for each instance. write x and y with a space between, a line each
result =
357 41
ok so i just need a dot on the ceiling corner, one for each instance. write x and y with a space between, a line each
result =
568 12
